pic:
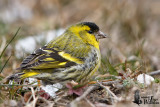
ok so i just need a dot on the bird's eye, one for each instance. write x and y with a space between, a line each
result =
90 31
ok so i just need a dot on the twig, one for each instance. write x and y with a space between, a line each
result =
91 88
15 85
118 86
48 103
91 104
60 98
108 90
32 104
111 82
155 73
83 96
60 104
33 93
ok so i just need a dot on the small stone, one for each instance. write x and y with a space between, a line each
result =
144 78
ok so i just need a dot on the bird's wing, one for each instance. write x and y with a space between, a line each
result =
46 58
66 50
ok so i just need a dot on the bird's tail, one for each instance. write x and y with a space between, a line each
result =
16 76
22 75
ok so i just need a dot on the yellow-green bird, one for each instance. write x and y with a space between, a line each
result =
74 55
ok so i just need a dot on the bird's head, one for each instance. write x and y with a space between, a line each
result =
89 32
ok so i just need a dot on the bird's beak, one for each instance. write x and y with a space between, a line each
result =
101 35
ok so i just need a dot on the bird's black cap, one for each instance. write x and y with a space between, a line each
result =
92 25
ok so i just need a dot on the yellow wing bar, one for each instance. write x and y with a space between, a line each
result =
70 58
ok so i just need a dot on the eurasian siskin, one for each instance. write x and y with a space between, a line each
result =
74 55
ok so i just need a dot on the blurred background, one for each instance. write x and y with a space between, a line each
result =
133 27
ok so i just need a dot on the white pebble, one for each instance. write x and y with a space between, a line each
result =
144 78
52 89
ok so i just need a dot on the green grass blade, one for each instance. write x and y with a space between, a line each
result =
111 69
5 64
9 42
